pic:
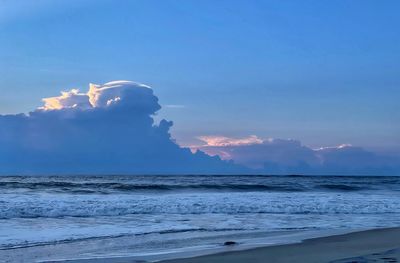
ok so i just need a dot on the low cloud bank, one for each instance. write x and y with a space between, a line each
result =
107 130
280 156
110 130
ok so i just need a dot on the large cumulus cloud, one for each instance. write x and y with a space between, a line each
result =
109 129
286 156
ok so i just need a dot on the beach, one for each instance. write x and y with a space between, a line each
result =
377 245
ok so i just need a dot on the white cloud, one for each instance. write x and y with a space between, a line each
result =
68 99
103 95
109 129
97 96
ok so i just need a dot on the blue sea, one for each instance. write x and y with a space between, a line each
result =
67 217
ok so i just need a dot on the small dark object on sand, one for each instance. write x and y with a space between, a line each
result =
230 243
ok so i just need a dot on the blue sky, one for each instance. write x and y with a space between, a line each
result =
322 72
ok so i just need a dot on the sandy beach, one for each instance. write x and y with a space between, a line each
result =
379 245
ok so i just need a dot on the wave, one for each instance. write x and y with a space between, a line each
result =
342 187
201 203
96 187
55 197
106 187
185 211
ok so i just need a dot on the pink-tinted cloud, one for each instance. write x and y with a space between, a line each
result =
227 141
283 156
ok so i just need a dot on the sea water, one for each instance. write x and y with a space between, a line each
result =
61 217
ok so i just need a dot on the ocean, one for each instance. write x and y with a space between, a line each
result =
106 216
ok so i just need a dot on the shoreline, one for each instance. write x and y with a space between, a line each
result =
350 246
375 245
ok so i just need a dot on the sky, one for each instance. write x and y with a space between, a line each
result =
325 73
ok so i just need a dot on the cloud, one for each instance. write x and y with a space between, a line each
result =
349 159
226 141
100 96
286 156
68 99
109 129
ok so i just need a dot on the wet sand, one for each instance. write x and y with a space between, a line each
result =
378 245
